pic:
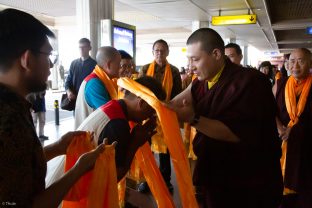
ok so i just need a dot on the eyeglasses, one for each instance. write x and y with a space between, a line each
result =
126 66
300 62
53 56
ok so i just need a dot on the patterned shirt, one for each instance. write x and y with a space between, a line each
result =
22 161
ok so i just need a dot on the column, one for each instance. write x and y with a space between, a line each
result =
232 40
89 14
245 58
199 24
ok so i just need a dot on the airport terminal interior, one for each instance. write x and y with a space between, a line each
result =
265 30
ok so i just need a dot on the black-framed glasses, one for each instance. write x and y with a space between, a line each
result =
300 62
53 55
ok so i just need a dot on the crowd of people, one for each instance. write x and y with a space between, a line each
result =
253 127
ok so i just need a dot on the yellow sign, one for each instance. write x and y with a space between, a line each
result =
234 20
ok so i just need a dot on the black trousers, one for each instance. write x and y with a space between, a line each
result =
165 166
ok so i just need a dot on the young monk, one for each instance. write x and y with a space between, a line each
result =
112 121
233 111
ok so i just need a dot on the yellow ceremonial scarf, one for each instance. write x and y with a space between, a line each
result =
167 80
158 144
109 84
294 89
278 75
172 137
215 79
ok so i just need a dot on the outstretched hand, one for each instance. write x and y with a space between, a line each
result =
184 110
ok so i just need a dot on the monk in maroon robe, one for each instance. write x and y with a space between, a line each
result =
237 144
297 132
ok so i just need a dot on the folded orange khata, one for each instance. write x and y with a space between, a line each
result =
97 188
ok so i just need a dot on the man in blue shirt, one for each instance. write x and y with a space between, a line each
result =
100 86
79 69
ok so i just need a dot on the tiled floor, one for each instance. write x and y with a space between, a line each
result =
135 198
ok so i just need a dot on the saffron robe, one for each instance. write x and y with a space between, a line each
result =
242 99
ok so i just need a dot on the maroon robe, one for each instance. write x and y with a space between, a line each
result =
298 172
242 99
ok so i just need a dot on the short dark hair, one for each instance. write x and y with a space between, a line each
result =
267 64
19 32
208 38
153 85
124 54
236 47
161 41
84 40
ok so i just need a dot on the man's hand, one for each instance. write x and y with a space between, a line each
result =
71 95
284 132
87 161
184 110
143 133
182 104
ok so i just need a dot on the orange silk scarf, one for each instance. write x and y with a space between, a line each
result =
97 188
109 84
294 109
172 137
189 135
158 144
167 80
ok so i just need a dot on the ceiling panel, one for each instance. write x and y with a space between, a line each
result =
170 10
288 35
278 21
289 9
53 8
300 45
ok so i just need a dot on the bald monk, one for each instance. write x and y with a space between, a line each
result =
294 122
98 88
237 142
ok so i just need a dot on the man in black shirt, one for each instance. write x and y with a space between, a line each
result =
79 69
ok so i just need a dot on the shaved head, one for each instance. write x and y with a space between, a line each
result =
105 54
305 51
300 63
108 59
208 38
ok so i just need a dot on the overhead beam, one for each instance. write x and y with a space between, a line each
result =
292 24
